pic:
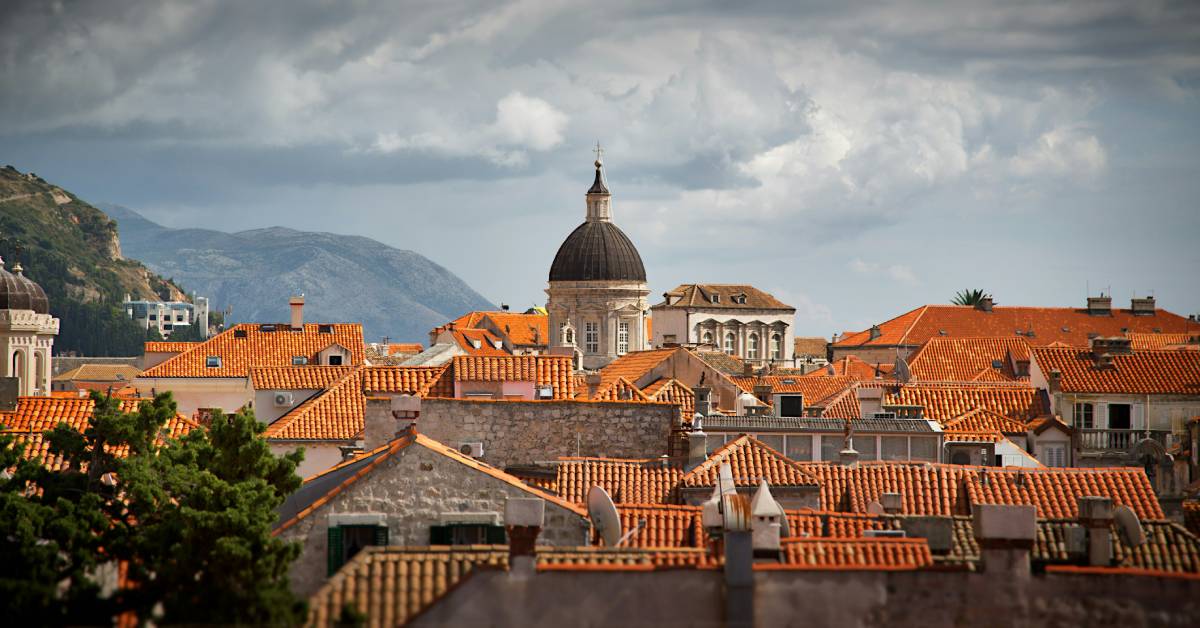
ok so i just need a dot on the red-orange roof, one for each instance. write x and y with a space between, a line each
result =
854 367
633 366
1049 324
335 413
296 377
751 461
1139 372
425 381
529 330
478 342
627 481
162 346
969 359
980 420
945 402
671 390
404 348
246 346
858 553
721 296
813 388
542 370
1143 341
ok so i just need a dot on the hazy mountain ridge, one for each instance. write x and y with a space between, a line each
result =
393 292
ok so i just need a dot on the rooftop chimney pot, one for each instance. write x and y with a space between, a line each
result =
296 304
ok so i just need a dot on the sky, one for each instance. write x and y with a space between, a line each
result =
854 159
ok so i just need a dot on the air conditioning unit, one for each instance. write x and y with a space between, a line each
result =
474 449
545 392
283 399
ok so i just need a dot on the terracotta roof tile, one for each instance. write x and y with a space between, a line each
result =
1191 516
619 390
944 402
627 481
1056 491
404 348
671 390
1144 341
843 405
969 359
1049 324
335 413
980 420
260 348
633 366
861 553
542 370
523 330
926 489
813 388
701 296
426 381
479 342
854 367
1140 372
296 377
722 362
816 346
100 373
162 346
751 462
665 525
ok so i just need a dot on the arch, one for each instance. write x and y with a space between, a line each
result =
776 347
39 373
17 364
752 346
960 457
730 342
707 338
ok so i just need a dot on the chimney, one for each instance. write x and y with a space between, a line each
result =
697 446
296 303
1100 306
593 384
386 418
523 520
875 332
1096 514
1006 534
984 304
10 391
747 369
739 561
767 522
703 400
1054 381
763 392
893 503
1143 306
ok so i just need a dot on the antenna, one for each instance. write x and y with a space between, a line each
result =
604 516
1131 526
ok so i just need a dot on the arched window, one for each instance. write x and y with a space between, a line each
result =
568 334
776 347
18 365
752 347
729 343
39 366
708 338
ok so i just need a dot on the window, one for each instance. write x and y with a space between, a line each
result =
346 541
893 447
335 360
867 448
830 446
791 405
623 337
923 449
799 448
1084 416
774 441
776 347
716 298
324 329
708 338
567 334
179 318
154 317
669 339
213 361
729 343
1055 455
467 534
299 360
752 347
591 337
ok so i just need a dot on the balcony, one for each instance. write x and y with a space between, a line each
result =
1119 440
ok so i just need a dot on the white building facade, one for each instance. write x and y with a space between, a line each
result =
740 320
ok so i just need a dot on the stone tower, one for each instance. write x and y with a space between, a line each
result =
597 293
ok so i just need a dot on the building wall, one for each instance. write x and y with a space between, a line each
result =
874 355
671 322
605 302
265 409
1165 412
192 393
413 490
521 432
1048 438
742 323
318 456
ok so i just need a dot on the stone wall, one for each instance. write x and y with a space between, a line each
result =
522 432
411 491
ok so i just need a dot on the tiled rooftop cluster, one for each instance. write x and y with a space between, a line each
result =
245 346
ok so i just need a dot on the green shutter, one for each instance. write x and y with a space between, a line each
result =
336 549
495 535
440 535
381 535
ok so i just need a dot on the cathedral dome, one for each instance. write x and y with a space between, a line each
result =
597 251
18 292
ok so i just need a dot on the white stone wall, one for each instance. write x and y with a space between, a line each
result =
414 490
522 432
605 302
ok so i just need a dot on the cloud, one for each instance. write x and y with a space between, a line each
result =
529 122
1062 151
898 272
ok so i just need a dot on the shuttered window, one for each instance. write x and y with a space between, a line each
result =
346 541
467 534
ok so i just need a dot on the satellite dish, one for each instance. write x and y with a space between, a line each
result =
1131 526
604 516
875 508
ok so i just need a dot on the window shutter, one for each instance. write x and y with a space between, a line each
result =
335 549
495 535
381 535
440 535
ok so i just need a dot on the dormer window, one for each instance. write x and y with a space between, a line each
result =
212 362
266 327
324 329
716 298
739 299
239 333
299 360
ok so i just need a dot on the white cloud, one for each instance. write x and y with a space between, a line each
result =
529 122
1061 151
898 272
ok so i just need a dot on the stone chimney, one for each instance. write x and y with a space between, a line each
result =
1054 381
1143 306
875 332
767 523
296 303
523 520
984 304
1006 534
1096 514
386 418
1100 306
870 400
763 392
703 396
697 446
893 503
593 384
10 390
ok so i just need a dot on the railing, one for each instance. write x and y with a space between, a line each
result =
1118 440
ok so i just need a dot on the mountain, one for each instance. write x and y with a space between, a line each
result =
394 293
71 250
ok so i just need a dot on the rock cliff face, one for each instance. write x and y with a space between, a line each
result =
392 292
72 250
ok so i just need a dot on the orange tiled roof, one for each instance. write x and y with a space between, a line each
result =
860 553
980 420
813 388
296 377
701 296
335 413
969 359
811 346
425 381
945 402
1140 372
404 348
633 366
673 391
751 462
926 489
542 370
467 338
627 481
1144 341
843 405
100 373
529 330
824 523
853 366
619 390
162 346
1049 324
666 525
260 348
